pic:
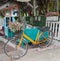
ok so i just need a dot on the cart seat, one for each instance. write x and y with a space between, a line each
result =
43 29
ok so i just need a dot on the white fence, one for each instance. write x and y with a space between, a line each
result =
55 27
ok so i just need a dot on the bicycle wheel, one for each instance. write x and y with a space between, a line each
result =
48 40
11 50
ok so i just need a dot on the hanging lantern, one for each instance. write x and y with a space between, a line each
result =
23 0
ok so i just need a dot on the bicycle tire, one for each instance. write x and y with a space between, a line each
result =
9 55
48 41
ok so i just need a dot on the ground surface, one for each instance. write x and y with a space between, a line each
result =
37 54
51 53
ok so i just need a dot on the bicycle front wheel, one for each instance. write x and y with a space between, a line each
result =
11 49
47 41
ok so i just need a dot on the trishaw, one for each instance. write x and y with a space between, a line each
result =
40 36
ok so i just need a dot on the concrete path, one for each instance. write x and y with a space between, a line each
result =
51 53
47 55
37 54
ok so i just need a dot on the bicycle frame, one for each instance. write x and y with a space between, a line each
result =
32 41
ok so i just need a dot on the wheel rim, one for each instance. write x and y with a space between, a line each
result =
13 52
48 41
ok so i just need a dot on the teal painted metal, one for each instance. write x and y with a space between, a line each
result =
31 32
7 31
45 34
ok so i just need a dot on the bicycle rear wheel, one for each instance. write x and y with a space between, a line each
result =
48 41
11 49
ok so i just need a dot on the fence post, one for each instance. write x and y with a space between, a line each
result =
59 32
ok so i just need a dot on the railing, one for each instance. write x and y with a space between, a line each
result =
55 27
